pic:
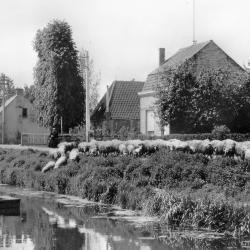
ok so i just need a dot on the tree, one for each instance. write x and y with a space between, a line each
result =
196 103
29 93
9 87
93 78
59 91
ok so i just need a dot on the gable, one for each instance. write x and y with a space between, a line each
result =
205 55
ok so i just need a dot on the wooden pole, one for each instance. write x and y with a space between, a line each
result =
3 112
87 97
194 41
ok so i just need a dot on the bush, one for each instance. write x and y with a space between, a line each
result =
141 183
220 132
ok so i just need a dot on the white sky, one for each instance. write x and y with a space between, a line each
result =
122 36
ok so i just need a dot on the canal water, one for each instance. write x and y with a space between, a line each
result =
47 221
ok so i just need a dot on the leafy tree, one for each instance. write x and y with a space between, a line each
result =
196 103
59 88
9 87
29 93
93 78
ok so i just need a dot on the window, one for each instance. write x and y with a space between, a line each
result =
41 121
25 112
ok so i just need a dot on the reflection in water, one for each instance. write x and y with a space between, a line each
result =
47 225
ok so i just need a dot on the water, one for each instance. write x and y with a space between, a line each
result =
47 221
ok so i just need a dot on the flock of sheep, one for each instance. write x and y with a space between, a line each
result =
72 151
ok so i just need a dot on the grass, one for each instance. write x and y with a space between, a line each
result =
182 189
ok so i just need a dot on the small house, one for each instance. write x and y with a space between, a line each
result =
119 108
19 118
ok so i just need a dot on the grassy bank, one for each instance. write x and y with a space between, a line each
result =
183 189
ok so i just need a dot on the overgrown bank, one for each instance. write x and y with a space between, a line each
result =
183 189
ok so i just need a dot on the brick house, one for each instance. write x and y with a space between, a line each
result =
204 55
119 107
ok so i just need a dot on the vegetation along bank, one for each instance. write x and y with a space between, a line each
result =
181 187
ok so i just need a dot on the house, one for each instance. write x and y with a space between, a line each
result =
204 55
119 107
19 118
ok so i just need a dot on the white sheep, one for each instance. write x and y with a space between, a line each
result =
229 147
218 147
54 153
48 166
74 154
61 161
130 149
123 149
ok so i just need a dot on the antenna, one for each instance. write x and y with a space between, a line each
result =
194 41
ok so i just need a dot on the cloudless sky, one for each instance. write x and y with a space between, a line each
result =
122 36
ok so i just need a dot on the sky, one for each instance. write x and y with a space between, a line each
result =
123 37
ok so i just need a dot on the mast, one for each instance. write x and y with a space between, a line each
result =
194 41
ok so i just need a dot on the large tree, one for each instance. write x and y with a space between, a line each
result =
59 91
193 102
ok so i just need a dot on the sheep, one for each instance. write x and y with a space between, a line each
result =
93 149
138 151
149 147
172 143
74 154
229 147
48 166
54 153
247 154
84 147
218 147
123 149
200 146
181 146
194 146
130 149
241 148
205 147
63 147
61 161
115 146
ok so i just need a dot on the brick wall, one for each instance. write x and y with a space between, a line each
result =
213 57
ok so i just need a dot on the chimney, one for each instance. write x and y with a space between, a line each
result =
19 91
107 99
161 56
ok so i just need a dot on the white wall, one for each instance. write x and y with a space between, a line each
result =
147 104
15 123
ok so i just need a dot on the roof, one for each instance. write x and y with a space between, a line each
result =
188 53
124 102
177 59
8 102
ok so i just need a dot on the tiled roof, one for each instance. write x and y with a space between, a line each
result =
124 100
178 58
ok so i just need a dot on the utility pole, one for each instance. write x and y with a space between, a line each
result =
194 41
3 105
85 72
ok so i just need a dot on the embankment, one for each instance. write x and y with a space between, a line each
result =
181 188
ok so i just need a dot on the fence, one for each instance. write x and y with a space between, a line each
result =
34 139
42 139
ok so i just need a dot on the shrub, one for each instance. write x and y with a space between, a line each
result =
220 132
